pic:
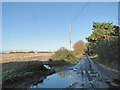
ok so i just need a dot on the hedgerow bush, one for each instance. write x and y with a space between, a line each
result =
104 43
63 54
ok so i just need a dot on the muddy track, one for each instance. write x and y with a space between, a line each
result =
94 75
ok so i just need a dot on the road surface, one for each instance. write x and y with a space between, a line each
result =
90 74
94 75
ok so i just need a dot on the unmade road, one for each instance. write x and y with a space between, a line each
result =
90 74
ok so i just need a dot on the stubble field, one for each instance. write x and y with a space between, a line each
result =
16 57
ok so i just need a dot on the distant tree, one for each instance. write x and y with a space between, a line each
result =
11 52
79 47
31 52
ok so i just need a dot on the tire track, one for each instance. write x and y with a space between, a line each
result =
93 75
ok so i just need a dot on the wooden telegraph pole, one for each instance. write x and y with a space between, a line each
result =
70 35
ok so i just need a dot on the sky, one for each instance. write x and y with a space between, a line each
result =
44 26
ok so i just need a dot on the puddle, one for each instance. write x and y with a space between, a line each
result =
58 80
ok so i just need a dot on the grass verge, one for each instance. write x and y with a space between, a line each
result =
15 72
112 65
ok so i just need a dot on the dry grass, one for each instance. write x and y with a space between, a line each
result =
15 73
23 67
25 57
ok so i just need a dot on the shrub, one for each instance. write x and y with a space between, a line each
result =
62 54
17 72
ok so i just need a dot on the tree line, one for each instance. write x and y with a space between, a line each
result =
104 42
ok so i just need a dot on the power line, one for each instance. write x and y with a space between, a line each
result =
74 20
80 12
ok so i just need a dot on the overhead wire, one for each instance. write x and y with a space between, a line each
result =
80 12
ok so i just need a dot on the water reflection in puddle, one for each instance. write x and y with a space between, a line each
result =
58 80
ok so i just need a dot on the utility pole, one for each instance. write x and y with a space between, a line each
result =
70 35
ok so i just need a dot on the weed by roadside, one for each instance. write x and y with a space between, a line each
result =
16 72
112 65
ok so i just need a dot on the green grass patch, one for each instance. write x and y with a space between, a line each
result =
79 56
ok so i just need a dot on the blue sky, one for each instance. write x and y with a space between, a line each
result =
45 26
